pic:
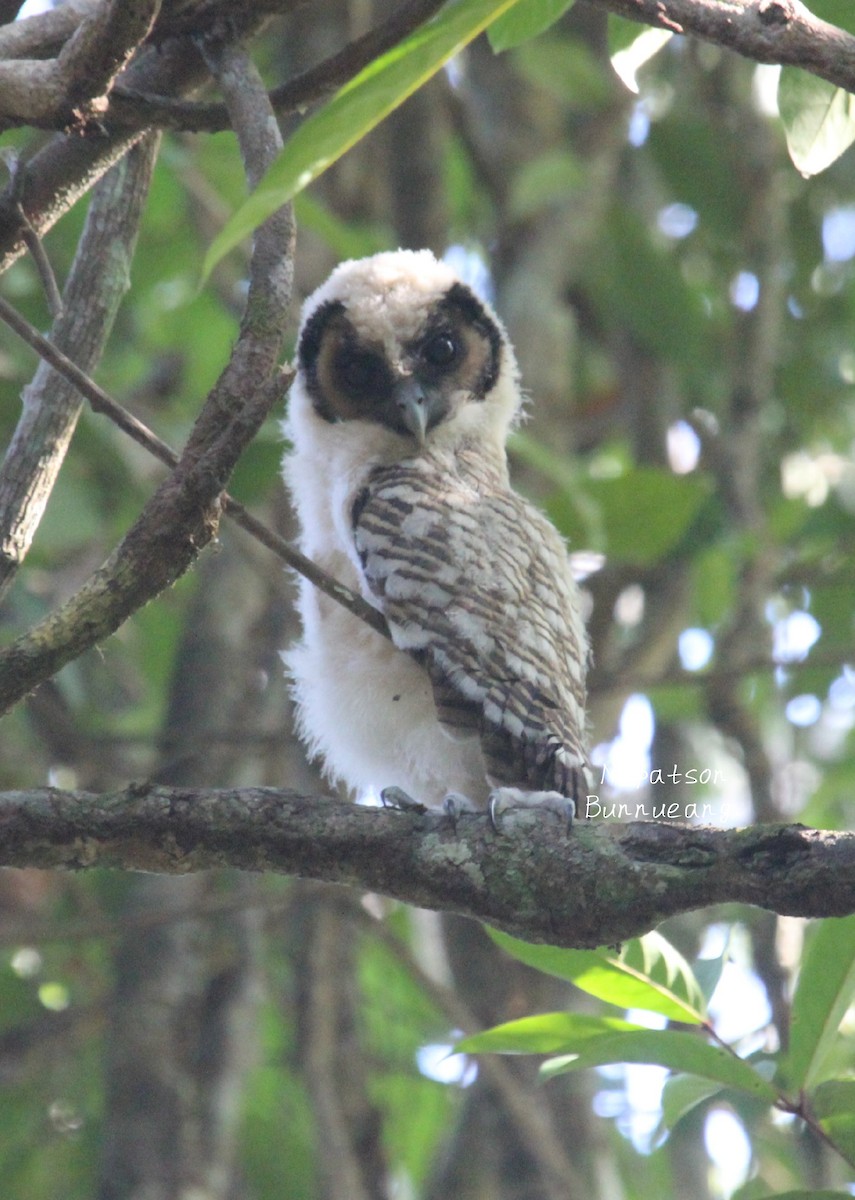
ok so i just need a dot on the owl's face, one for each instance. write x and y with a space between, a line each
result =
397 340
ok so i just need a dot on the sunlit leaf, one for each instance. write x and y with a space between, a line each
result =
546 1033
631 46
682 1093
819 119
654 958
525 20
685 1052
824 992
646 975
353 112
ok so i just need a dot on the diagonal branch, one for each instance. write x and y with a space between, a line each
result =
99 277
596 884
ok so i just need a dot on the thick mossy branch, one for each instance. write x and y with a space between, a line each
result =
594 884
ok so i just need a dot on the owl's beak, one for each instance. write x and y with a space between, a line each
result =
418 408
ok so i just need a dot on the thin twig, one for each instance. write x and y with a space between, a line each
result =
42 264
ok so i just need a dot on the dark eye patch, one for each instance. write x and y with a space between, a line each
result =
360 372
468 315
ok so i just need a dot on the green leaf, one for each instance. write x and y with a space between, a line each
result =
819 119
696 161
834 1103
525 20
708 971
543 181
353 112
649 974
654 957
679 1051
682 1093
823 993
546 1033
642 513
714 570
567 69
833 1098
637 284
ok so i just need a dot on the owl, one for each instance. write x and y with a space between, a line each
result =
406 387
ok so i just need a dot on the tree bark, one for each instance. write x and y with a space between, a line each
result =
595 884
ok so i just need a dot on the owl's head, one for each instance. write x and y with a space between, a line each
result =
398 341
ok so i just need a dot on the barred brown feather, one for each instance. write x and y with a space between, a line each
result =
469 578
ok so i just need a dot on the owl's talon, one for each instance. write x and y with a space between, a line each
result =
455 804
506 798
395 797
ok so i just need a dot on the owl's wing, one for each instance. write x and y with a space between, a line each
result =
478 588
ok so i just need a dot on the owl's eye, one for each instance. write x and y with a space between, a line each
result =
441 350
361 373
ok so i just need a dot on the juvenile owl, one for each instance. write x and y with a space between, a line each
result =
405 391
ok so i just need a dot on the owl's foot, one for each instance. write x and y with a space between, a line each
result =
395 797
455 804
505 798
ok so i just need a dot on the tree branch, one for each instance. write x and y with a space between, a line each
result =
104 404
767 31
99 278
183 514
44 35
71 89
63 170
130 107
596 884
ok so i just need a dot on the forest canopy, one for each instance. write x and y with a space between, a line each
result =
657 198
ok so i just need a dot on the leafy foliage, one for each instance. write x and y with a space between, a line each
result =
683 304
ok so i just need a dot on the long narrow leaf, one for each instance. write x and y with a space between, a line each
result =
526 20
825 990
354 111
685 1052
546 1033
650 974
